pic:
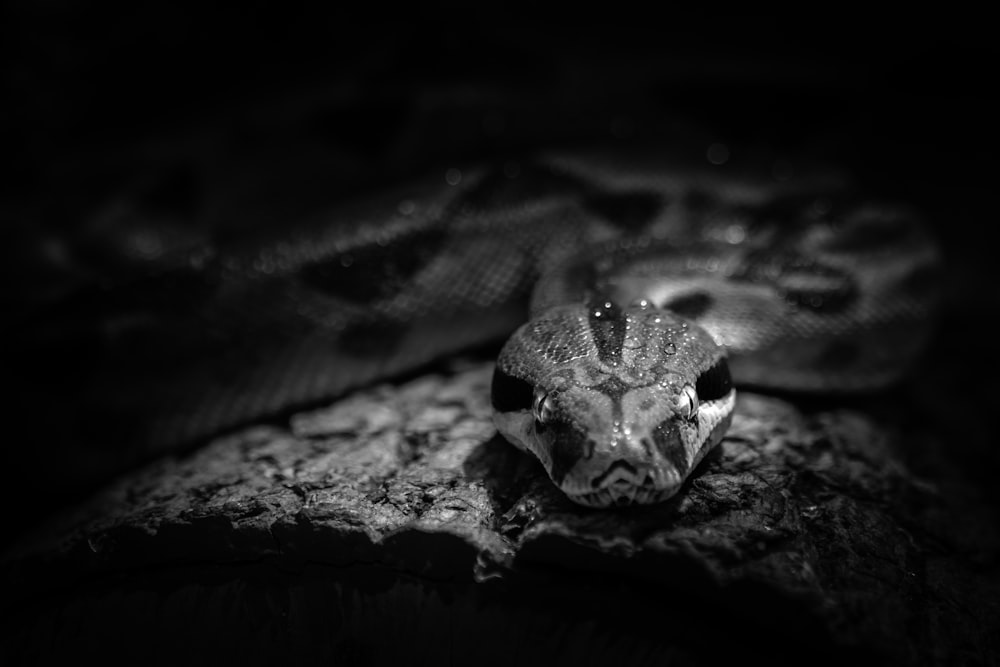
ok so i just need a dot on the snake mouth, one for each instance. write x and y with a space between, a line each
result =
624 494
620 485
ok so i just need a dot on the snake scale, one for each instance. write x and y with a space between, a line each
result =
655 287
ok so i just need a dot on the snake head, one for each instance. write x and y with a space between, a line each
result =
619 405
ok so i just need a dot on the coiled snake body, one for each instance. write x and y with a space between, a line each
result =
620 383
655 288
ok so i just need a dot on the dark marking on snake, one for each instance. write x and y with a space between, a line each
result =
534 181
510 394
838 354
667 439
621 464
758 266
374 339
833 301
612 387
801 281
629 211
817 287
615 389
715 382
371 273
569 446
691 305
607 326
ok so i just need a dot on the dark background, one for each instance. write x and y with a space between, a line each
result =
205 122
220 122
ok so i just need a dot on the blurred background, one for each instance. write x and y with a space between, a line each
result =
138 132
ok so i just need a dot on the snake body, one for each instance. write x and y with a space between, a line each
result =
654 287
620 384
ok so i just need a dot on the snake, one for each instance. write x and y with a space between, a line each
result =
625 377
635 293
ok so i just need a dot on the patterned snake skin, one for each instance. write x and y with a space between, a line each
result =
623 379
654 287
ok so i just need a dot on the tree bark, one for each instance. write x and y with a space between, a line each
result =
398 511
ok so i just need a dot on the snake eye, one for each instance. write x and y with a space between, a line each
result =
687 402
541 407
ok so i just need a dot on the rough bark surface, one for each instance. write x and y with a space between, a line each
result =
808 530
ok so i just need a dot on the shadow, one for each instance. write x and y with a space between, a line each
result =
507 472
